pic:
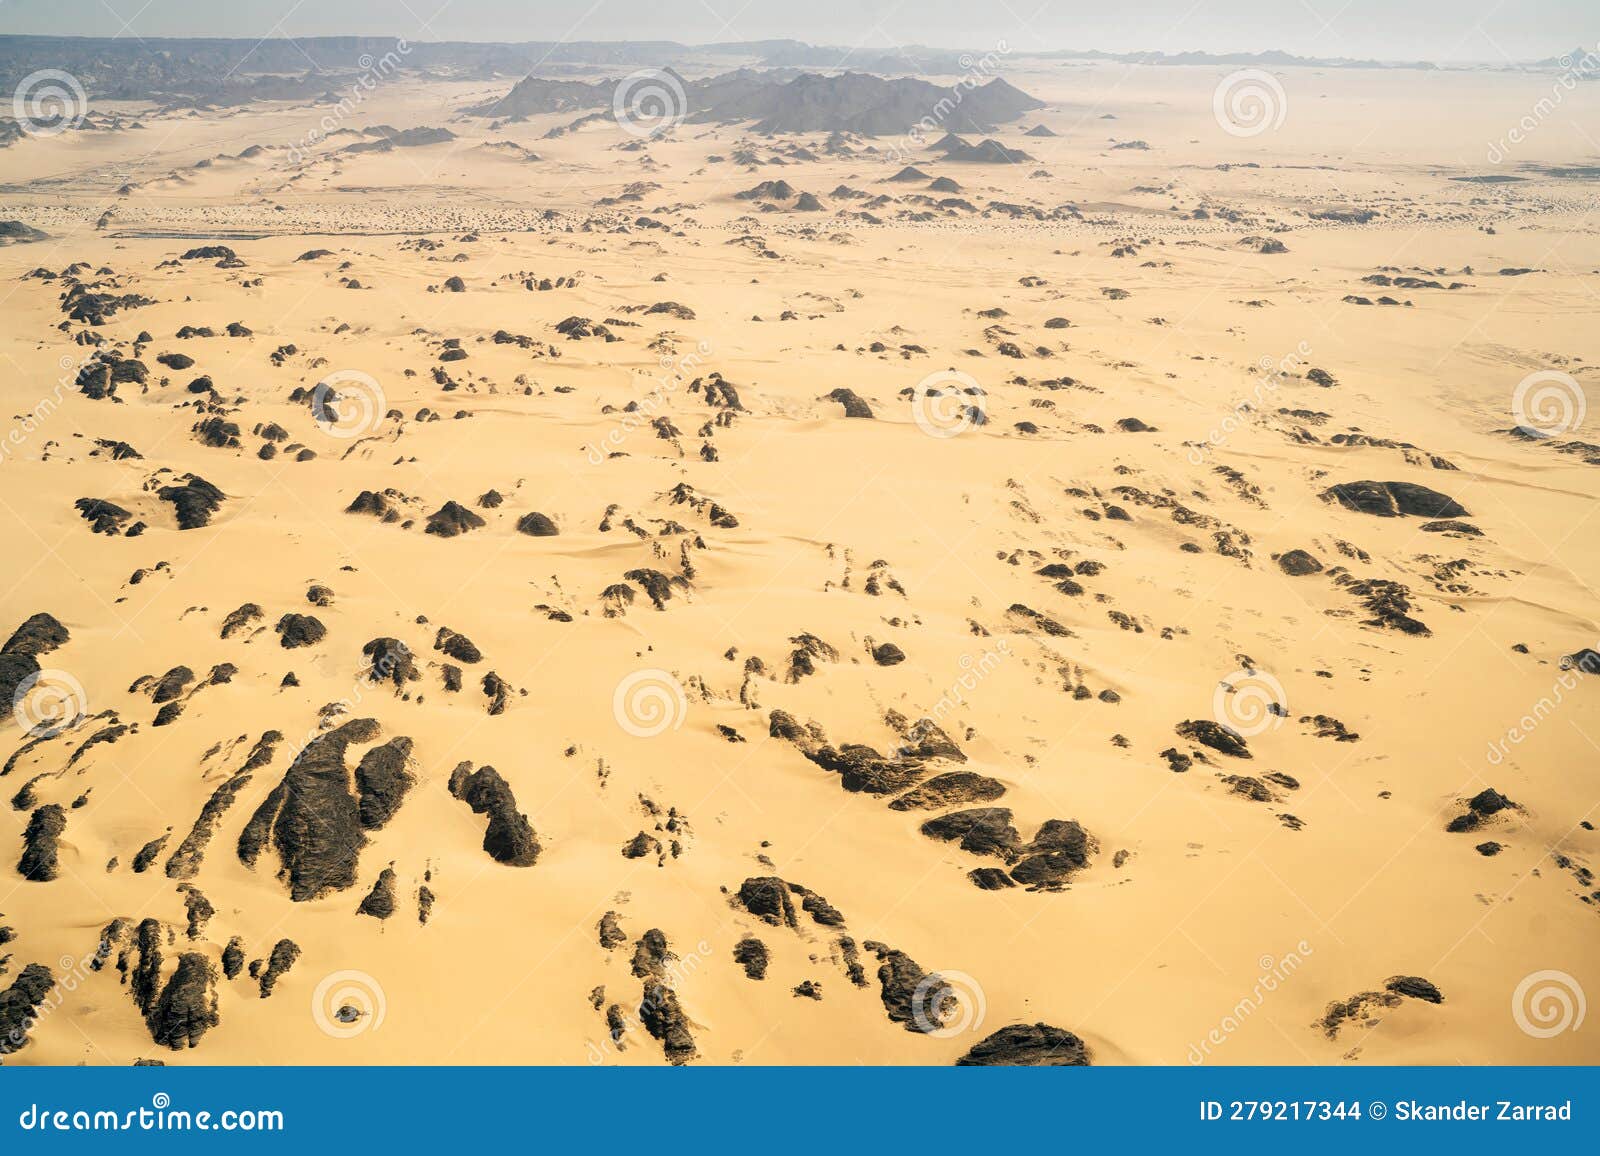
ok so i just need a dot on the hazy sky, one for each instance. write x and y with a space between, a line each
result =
1491 30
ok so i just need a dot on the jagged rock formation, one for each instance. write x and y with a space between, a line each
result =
40 862
185 861
312 819
380 901
659 1009
1393 499
18 1004
509 838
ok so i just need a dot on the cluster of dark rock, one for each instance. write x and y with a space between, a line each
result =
1362 1007
1058 849
317 818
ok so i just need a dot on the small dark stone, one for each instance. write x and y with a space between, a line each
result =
751 954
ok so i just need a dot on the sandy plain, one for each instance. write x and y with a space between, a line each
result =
1154 951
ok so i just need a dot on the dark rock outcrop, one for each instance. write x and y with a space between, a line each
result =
1209 733
510 837
1027 1045
451 519
40 861
913 998
194 502
297 630
1415 987
1298 563
659 1009
536 525
187 1008
18 1004
389 660
751 954
312 818
185 861
854 404
457 646
247 615
767 898
610 932
978 830
380 901
1393 499
283 956
382 779
19 658
948 790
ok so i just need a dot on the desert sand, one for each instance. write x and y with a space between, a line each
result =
1191 788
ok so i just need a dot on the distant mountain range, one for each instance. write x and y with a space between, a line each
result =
223 71
785 101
